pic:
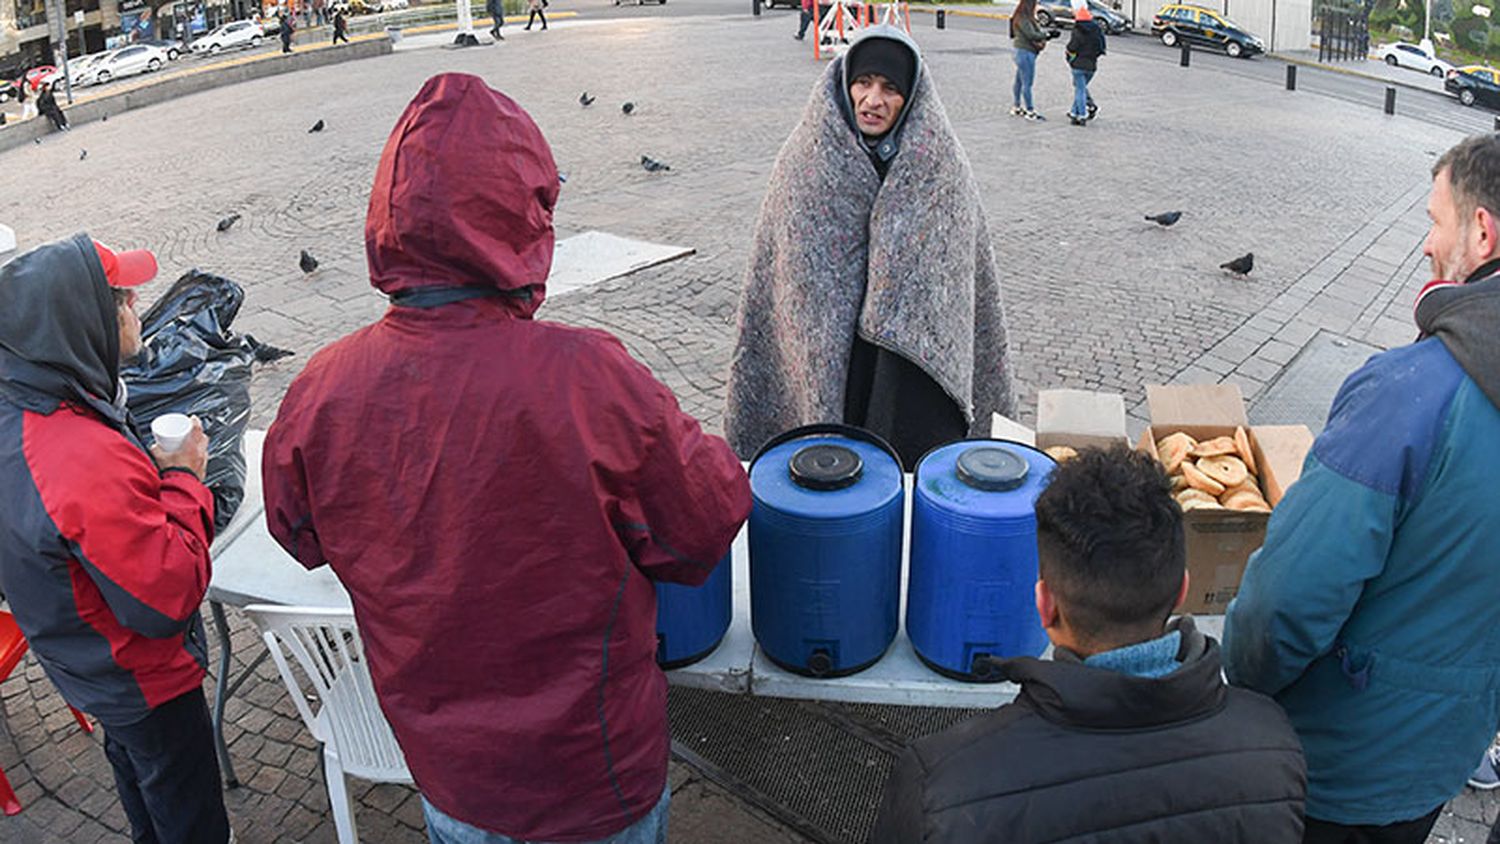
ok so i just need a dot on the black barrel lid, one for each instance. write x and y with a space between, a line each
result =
992 468
826 466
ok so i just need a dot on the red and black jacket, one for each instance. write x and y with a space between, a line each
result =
103 559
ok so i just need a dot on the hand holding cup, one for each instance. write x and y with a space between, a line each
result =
180 443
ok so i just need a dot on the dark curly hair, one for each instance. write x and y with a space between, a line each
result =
1111 543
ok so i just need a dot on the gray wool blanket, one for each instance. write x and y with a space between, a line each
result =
907 263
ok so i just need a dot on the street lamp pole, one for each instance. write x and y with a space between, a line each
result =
58 13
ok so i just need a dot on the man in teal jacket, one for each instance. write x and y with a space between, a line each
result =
1370 611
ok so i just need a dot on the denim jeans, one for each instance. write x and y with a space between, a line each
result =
807 17
1081 92
168 774
1025 73
441 829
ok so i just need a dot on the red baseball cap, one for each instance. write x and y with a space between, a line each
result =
130 268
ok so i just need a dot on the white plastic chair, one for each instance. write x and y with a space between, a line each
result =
357 740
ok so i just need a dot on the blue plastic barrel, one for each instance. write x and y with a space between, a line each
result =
692 620
825 549
970 591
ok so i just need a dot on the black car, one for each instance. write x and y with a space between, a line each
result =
8 90
1060 12
1475 84
1178 22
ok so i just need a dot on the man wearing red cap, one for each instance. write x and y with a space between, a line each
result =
105 559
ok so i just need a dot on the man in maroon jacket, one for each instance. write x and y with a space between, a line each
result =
103 549
498 493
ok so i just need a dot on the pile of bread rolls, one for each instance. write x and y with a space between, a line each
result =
1215 474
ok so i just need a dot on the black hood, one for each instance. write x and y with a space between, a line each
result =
59 332
1065 691
885 147
1466 317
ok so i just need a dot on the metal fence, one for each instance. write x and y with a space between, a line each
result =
1343 35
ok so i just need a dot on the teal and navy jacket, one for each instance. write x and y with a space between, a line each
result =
1372 612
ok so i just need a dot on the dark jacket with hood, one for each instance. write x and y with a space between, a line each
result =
886 392
498 493
1392 532
1087 754
1085 45
103 558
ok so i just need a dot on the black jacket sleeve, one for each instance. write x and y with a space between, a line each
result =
901 819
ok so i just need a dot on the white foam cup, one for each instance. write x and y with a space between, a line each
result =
170 430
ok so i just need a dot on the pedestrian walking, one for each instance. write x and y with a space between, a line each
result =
496 11
46 103
1027 38
536 12
848 315
1366 612
1084 49
807 17
286 33
340 27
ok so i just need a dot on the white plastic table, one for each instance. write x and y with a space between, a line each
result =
250 568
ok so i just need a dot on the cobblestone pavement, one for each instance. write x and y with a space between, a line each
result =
1328 195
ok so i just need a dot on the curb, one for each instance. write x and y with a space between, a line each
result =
959 13
1354 73
85 110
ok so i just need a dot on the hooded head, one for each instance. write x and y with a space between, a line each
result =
463 196
888 62
59 316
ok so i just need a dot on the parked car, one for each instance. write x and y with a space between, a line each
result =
81 70
230 35
1414 56
1178 22
1475 84
128 61
8 90
172 47
1060 13
34 78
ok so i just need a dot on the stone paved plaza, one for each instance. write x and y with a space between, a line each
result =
1328 194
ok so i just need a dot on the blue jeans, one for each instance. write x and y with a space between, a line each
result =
1025 73
1081 93
441 829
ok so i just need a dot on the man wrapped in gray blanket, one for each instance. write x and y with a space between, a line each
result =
872 296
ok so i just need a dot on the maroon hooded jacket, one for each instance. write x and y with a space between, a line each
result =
497 493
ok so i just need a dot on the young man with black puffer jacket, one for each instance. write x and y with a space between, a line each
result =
1129 732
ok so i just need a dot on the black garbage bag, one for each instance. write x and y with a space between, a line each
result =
192 363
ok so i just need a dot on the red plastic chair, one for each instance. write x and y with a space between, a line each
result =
12 648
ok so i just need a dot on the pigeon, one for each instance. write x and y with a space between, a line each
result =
225 223
1241 265
316 127
1165 219
37 141
82 154
104 119
652 165
585 100
628 108
308 263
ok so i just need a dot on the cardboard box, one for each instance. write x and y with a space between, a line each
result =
1220 542
1080 419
